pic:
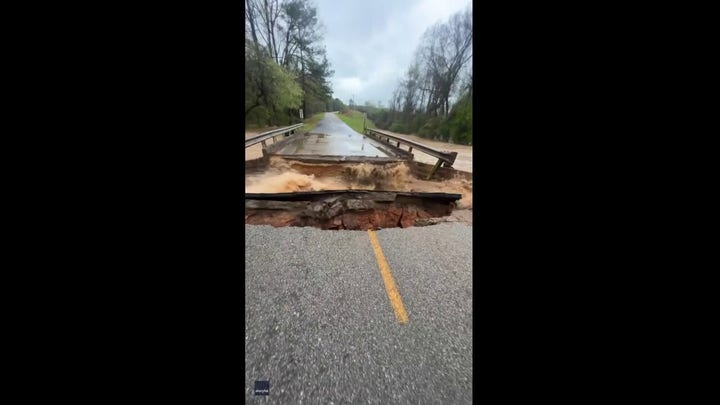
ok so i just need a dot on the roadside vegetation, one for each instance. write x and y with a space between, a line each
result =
354 119
286 67
434 99
312 122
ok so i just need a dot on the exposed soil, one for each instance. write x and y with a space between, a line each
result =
348 210
255 151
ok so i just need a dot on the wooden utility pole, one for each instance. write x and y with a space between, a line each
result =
302 78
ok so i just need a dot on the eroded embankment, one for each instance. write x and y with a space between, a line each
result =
345 195
354 210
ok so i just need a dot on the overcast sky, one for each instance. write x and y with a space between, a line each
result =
370 43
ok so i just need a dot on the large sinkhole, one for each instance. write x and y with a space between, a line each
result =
342 193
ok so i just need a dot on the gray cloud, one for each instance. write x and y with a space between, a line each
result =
370 43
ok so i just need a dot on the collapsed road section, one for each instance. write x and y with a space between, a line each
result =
346 209
335 178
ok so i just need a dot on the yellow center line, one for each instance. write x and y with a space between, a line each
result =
390 287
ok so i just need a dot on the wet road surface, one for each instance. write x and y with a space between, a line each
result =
320 327
332 137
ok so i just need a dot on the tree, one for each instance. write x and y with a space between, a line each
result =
317 90
269 88
446 48
337 105
287 33
440 73
251 21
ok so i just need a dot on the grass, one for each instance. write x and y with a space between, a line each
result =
354 119
312 122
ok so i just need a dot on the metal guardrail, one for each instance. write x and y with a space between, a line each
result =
261 138
443 157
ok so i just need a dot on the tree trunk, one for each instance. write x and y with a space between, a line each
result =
302 81
269 28
251 18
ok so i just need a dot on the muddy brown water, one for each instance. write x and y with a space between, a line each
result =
287 176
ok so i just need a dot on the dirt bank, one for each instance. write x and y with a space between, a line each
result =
255 151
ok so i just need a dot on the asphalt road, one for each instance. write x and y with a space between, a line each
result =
333 137
321 328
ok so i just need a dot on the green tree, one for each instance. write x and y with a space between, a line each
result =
271 92
337 105
460 121
284 47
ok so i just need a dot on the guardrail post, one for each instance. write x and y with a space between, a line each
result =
434 169
446 158
263 144
285 131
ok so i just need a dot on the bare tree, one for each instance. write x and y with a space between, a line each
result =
444 51
411 84
269 13
288 32
251 19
